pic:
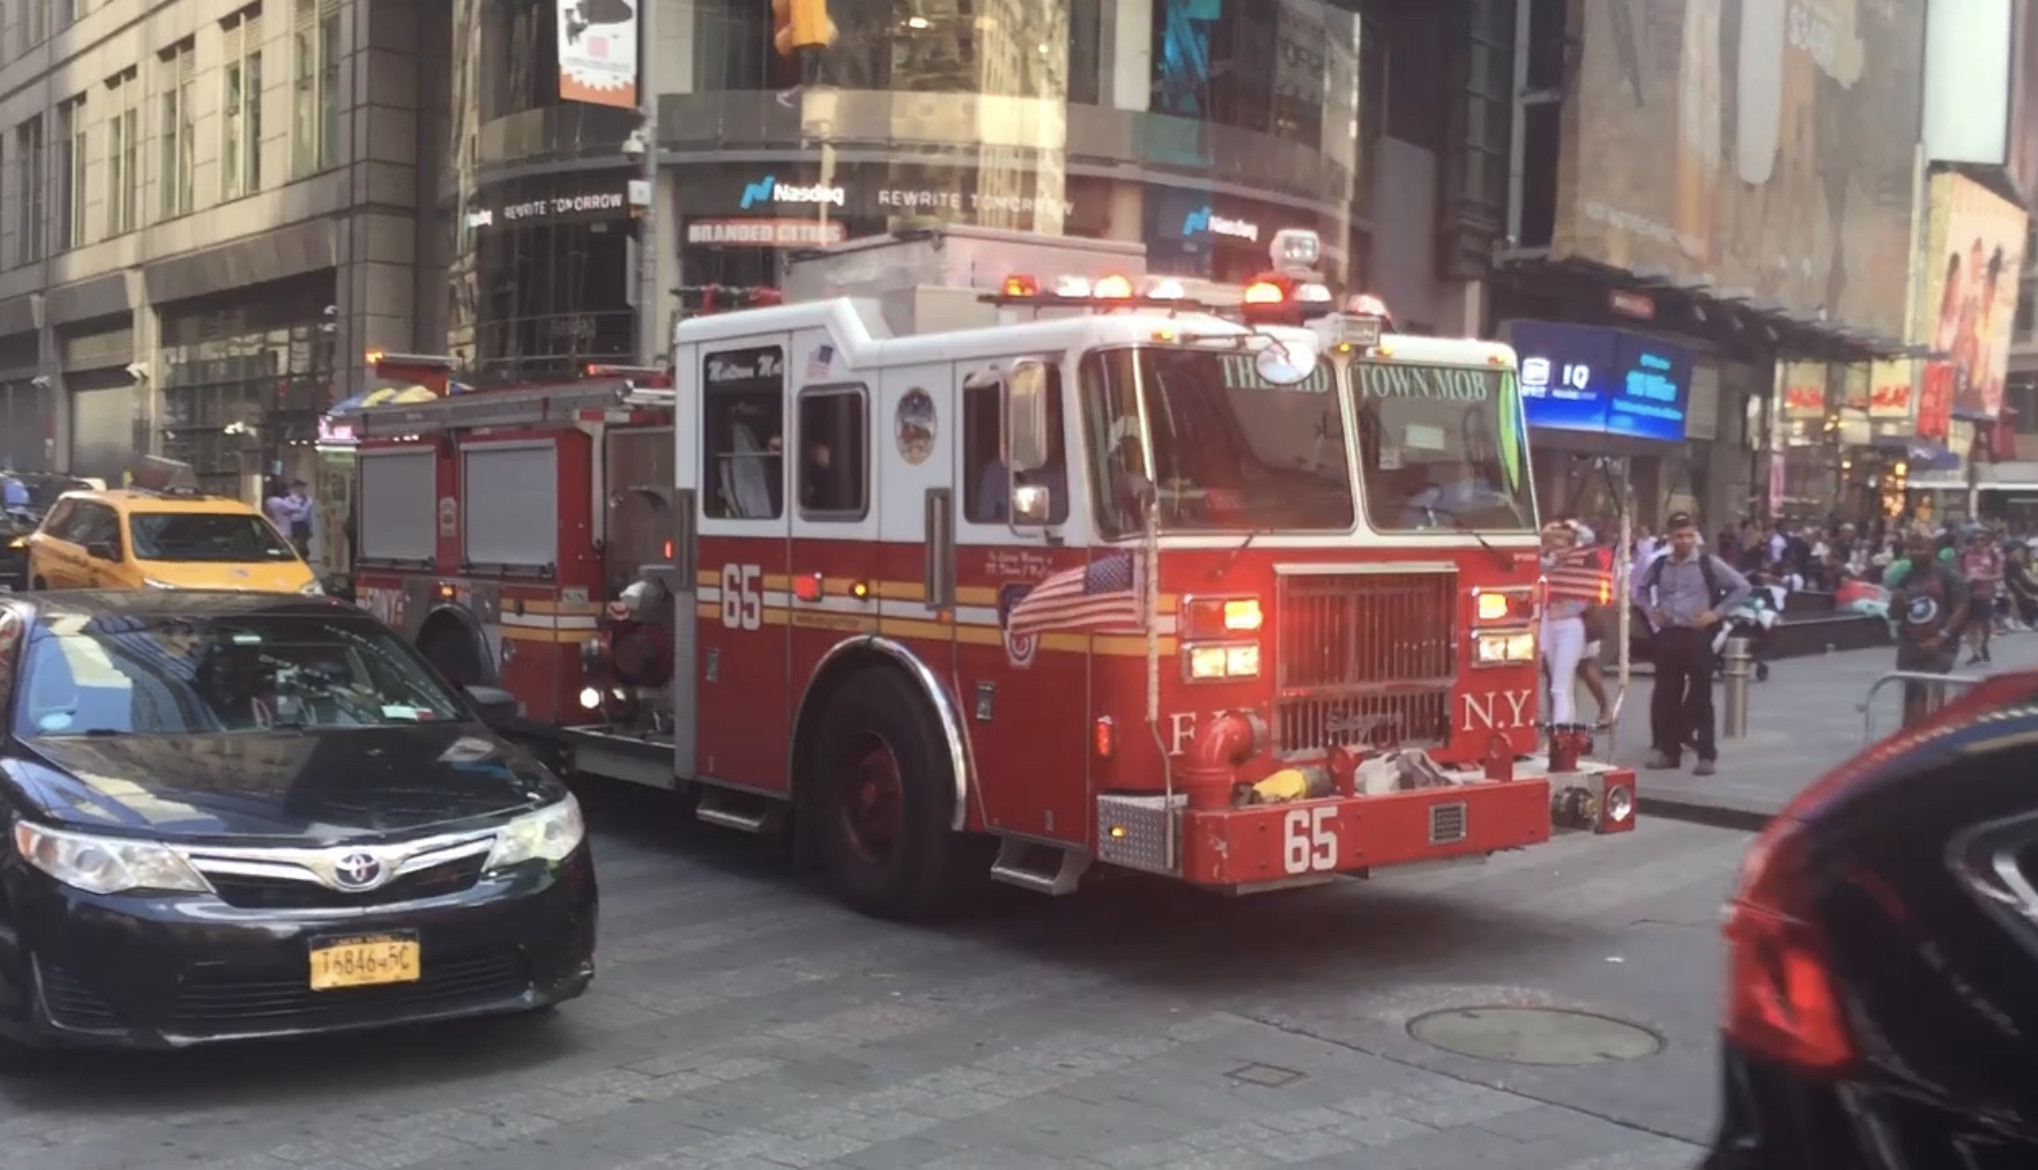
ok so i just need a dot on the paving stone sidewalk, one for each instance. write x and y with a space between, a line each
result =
1801 723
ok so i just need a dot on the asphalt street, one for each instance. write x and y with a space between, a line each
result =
741 1018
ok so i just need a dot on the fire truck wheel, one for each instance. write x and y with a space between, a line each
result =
881 793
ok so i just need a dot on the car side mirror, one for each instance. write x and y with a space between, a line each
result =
495 705
104 550
1027 442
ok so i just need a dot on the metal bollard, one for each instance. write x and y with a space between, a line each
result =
1739 668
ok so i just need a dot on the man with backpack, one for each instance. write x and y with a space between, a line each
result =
1682 593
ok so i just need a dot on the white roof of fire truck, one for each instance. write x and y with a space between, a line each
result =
934 294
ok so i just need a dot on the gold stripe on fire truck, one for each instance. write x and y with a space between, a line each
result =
891 590
974 633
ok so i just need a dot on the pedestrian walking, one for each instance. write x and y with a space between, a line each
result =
1577 581
1930 606
1981 564
1682 593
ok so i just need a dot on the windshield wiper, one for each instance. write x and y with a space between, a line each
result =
1462 525
1238 551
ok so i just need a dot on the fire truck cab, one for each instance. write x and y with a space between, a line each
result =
987 553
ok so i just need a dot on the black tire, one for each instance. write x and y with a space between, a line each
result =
39 585
883 709
1762 672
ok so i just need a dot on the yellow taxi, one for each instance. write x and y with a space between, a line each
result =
132 539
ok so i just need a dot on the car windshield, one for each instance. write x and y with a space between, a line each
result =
205 536
129 675
1442 447
1231 451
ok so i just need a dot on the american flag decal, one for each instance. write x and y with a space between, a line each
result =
1101 595
822 361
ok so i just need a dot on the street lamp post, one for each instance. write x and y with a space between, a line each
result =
648 344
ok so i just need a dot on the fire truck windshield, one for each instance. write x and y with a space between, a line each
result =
1231 451
1441 447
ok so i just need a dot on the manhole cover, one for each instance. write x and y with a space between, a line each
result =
1534 1035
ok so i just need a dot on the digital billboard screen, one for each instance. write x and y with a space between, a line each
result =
1604 381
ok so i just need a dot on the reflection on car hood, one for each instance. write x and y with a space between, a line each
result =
312 785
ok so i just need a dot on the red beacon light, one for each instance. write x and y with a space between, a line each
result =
1368 305
1265 292
1021 286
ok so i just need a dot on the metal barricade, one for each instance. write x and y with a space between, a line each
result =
1935 696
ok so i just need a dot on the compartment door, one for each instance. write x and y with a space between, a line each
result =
743 609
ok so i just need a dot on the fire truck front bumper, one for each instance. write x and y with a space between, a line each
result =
1267 846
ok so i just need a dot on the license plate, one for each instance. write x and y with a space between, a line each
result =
365 960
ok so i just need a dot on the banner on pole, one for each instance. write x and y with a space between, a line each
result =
598 52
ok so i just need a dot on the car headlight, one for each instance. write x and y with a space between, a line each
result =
551 833
313 589
104 865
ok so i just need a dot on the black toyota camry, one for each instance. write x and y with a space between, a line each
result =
1883 954
233 816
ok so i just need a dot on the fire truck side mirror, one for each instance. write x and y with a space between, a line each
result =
1027 442
1031 504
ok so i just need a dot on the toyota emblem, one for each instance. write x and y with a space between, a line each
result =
357 871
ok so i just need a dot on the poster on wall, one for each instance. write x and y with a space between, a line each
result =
1970 305
598 52
1802 389
1749 146
1890 389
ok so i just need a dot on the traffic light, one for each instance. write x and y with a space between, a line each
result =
800 24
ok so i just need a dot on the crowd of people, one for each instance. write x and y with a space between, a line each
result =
1942 588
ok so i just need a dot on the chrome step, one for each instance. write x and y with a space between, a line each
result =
741 811
1043 869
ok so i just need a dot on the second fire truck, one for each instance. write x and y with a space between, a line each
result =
988 555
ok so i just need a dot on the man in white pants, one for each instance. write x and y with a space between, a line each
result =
1575 583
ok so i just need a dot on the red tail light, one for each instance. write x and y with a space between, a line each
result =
1782 1002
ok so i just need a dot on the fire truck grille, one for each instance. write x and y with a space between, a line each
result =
1364 658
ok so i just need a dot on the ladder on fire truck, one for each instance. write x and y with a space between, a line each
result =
609 394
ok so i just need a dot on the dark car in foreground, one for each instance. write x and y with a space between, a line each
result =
1883 957
233 815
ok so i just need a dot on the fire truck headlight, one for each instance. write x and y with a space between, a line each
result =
590 698
1506 649
1214 663
1243 615
1493 607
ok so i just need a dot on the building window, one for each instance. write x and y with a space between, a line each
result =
71 175
34 17
1489 109
123 152
178 136
28 161
834 484
240 156
315 87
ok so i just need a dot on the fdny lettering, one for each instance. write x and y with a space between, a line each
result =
1497 710
1385 380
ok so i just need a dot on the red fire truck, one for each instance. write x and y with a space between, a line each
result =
984 550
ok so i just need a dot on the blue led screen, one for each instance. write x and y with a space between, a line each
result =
1607 381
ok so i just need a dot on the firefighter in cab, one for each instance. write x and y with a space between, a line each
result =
801 29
